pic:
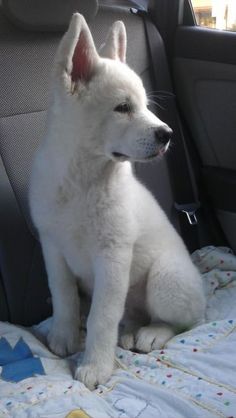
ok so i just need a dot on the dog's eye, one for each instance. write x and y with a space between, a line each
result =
123 108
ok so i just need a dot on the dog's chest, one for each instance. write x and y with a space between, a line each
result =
86 222
83 225
69 226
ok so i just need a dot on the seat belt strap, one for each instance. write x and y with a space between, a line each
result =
181 175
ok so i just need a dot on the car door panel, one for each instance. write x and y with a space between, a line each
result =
204 71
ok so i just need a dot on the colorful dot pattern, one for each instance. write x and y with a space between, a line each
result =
182 368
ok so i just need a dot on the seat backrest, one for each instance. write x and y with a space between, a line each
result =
25 60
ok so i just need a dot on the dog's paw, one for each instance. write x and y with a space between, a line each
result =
93 375
153 337
64 340
127 341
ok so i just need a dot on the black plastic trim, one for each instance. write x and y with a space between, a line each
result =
203 44
221 184
189 16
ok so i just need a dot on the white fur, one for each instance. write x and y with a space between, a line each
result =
100 228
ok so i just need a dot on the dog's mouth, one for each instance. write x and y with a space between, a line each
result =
123 157
119 156
161 151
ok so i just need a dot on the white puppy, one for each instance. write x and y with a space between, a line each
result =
99 227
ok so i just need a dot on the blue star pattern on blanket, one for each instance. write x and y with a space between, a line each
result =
18 363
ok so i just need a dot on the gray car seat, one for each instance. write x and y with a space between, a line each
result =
29 34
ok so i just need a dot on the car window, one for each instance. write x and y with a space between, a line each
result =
215 14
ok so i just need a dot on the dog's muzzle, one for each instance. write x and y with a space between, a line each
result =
147 149
163 135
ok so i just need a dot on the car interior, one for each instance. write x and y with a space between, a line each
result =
189 73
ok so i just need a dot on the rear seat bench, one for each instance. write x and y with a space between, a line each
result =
26 53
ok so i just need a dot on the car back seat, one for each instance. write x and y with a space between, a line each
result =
26 55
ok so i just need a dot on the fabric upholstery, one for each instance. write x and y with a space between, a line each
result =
47 15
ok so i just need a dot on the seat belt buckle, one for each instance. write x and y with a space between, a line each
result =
139 11
190 210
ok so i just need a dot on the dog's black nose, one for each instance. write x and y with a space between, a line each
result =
163 134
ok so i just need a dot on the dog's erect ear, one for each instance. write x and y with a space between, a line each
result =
115 45
77 55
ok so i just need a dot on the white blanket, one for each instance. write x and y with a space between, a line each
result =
194 376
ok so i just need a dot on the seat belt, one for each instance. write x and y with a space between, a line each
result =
181 174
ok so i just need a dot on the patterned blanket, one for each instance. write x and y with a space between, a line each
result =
193 376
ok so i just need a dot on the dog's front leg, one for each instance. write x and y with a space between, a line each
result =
63 337
110 291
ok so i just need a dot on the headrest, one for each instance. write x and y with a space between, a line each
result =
47 15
